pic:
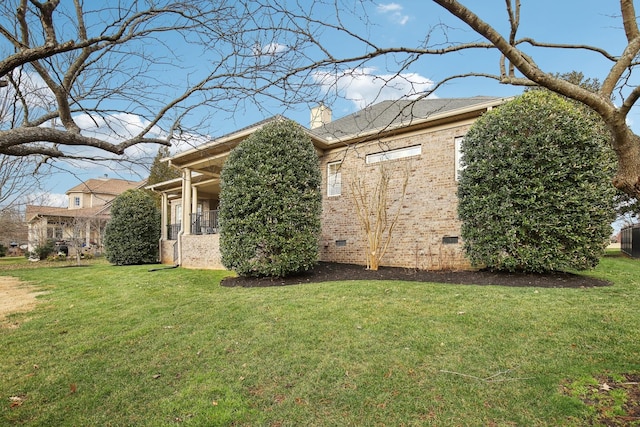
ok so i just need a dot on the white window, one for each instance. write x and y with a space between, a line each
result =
76 201
458 162
334 179
399 153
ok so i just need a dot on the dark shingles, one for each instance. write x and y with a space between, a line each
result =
393 113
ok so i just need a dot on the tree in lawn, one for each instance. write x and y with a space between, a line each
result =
270 203
101 75
132 233
534 195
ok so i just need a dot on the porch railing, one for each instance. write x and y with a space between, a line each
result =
172 231
205 222
201 223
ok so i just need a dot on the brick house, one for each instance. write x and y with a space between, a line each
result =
415 143
81 224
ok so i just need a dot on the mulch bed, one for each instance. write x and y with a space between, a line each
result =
326 271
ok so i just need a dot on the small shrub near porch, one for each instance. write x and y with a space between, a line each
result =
132 233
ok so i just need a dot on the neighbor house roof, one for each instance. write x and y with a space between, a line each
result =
34 211
106 186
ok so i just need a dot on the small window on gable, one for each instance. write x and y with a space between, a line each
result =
76 201
334 179
459 165
399 153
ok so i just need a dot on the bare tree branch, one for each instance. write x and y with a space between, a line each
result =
625 143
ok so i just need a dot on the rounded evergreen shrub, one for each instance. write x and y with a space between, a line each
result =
132 233
536 193
270 203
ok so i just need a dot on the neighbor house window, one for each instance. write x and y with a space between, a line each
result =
76 201
334 179
399 153
458 162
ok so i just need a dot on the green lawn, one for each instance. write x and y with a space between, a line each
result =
12 261
125 346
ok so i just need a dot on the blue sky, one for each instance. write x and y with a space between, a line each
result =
406 23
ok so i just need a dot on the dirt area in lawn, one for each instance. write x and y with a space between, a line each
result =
326 271
614 402
15 296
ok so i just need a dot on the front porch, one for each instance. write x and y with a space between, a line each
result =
189 235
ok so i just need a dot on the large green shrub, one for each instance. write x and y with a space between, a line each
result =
270 203
536 194
132 233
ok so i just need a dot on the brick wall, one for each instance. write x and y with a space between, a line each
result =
427 214
201 251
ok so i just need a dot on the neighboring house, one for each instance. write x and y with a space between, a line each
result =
80 226
414 142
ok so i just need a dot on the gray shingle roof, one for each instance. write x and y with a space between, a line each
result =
393 113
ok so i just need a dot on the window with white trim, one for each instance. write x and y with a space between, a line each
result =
334 179
458 153
76 201
398 153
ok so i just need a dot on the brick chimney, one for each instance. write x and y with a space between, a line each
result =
320 115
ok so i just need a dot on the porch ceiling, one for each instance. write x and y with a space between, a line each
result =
208 186
210 166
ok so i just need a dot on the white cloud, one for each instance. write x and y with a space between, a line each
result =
391 7
114 127
363 86
394 11
270 49
57 200
274 49
35 91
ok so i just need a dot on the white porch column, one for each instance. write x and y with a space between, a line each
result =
194 200
164 207
186 201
